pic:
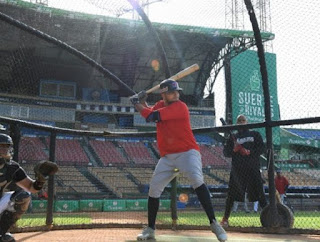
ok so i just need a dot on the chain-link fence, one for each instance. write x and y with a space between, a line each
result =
70 68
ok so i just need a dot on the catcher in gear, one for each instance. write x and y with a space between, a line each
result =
14 204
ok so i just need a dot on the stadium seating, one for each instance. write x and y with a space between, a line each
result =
314 173
143 175
303 177
298 177
208 157
107 152
155 146
212 155
70 179
222 174
67 180
116 180
138 152
31 149
70 152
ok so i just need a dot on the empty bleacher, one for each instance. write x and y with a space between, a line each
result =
70 179
302 177
69 152
221 174
221 159
297 177
155 147
212 156
138 153
116 180
314 173
143 175
31 149
107 152
208 157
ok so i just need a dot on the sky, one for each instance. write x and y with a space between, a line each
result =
295 24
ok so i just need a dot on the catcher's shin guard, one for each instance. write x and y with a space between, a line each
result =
6 221
20 202
7 238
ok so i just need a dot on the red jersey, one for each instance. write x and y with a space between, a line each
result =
281 183
174 133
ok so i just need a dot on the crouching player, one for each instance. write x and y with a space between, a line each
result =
14 204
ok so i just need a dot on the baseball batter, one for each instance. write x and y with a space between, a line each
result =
14 204
178 150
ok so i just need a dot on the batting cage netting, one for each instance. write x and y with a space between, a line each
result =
67 69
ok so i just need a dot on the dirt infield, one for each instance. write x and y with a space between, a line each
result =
110 234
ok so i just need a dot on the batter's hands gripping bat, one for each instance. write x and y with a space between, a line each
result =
177 76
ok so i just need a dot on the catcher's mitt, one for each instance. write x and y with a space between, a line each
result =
43 169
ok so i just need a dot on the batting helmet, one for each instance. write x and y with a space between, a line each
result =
169 85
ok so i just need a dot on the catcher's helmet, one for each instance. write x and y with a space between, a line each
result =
5 152
5 139
169 85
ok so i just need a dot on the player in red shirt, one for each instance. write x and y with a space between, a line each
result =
178 151
282 185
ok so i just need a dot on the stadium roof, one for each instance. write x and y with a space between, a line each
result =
125 47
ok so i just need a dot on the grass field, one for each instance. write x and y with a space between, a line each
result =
33 220
303 220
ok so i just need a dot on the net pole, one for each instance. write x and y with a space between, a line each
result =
173 193
49 218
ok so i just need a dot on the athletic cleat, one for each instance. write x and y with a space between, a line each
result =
224 223
7 238
219 231
147 233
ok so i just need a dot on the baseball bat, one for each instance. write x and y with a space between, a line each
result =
178 76
230 132
223 121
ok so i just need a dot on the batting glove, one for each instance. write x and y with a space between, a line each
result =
142 96
134 99
237 147
244 151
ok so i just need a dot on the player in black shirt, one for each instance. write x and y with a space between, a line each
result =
245 148
14 204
